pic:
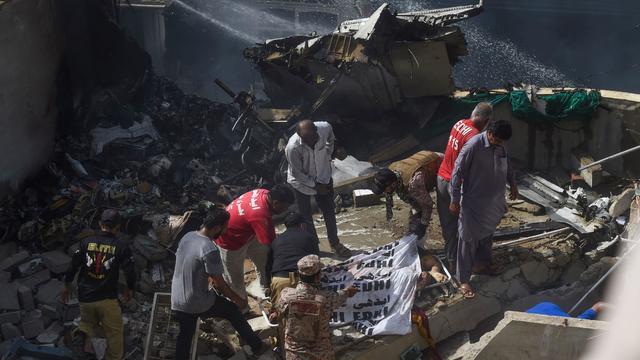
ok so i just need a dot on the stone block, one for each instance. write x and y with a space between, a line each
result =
517 289
463 315
9 331
622 203
49 293
365 197
32 327
9 297
494 287
14 260
573 272
51 334
511 273
593 175
56 261
49 311
30 267
535 272
12 317
26 298
35 279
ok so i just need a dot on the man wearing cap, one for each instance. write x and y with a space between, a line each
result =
412 179
98 262
307 311
289 247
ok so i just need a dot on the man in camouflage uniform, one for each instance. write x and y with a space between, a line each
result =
411 179
307 311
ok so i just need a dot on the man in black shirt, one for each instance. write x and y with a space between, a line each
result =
289 247
98 262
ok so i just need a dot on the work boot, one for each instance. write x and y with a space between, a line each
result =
341 250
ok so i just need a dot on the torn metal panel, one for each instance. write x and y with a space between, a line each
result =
386 59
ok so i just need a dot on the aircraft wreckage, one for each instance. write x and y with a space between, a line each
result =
377 65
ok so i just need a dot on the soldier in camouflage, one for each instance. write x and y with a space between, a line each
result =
307 311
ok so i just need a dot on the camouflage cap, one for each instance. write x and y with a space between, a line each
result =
309 265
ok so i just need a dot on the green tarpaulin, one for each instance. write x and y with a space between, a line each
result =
578 104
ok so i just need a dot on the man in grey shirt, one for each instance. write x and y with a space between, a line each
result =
479 179
198 264
309 153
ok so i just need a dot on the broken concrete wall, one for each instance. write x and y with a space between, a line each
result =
30 56
547 146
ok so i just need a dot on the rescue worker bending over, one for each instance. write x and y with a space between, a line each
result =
307 311
412 179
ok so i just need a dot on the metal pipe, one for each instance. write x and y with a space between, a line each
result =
601 280
531 238
617 155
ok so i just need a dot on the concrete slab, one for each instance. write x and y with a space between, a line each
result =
56 261
463 315
48 293
35 279
525 336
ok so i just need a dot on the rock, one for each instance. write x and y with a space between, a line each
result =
56 261
511 273
622 203
35 279
544 252
535 272
51 334
12 317
26 298
9 296
30 267
48 311
554 275
494 287
14 260
517 289
32 326
463 315
573 272
9 331
49 292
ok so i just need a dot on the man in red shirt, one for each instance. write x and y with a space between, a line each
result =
461 132
250 233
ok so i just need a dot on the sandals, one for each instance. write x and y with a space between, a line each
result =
467 291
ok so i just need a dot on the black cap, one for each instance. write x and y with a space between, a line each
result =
382 179
110 217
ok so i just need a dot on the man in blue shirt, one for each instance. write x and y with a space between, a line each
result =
551 309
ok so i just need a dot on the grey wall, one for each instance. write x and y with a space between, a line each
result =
29 58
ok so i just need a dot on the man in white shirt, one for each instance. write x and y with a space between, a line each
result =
309 154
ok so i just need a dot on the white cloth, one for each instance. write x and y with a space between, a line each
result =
307 166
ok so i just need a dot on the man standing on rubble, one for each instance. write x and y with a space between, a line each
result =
98 262
289 247
412 179
306 311
461 132
250 234
309 152
480 176
198 268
